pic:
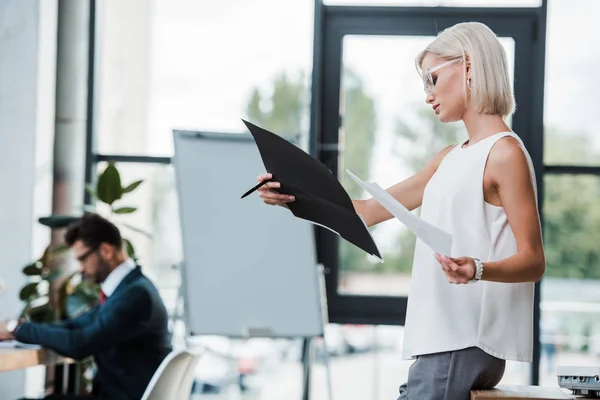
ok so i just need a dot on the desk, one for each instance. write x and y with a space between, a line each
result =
65 379
11 359
515 392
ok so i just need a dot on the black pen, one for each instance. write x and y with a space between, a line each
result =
255 187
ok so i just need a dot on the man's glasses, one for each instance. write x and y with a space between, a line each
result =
85 255
429 81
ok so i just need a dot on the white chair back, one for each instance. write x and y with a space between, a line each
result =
174 377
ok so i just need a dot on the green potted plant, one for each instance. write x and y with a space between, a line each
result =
108 191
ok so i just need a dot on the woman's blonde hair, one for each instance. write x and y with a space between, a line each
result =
491 89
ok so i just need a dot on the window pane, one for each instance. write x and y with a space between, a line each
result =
364 362
570 322
516 373
571 104
439 3
168 64
388 133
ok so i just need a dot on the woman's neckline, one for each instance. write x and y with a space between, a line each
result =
461 146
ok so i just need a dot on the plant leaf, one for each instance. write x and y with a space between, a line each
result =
124 210
50 252
130 188
28 290
65 289
130 248
32 269
138 230
52 276
41 314
46 257
109 185
59 249
57 221
66 285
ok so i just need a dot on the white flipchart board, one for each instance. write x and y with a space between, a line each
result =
249 268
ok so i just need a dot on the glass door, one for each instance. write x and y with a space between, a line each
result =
373 120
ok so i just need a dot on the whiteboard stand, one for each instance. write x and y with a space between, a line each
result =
307 353
306 370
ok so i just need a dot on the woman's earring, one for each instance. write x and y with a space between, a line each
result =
469 83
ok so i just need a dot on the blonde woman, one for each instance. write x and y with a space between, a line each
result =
469 313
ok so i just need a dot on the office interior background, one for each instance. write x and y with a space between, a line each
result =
84 83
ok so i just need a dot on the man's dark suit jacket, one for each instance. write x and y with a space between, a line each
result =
128 337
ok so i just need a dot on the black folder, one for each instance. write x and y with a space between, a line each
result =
319 197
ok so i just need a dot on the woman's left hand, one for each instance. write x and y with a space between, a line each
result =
458 270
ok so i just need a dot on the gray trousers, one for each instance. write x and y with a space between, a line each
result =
451 375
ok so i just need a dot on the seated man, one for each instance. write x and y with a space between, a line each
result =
126 333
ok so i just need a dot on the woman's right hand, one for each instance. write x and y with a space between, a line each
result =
269 196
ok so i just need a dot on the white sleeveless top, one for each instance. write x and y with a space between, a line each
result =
496 317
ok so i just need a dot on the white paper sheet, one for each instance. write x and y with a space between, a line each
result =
13 344
437 240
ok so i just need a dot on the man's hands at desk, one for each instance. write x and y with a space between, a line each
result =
7 328
5 334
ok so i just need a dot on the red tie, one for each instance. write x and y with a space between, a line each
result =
102 298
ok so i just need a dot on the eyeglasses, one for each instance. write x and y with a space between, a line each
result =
85 255
429 81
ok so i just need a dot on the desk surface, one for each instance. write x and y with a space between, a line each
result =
11 359
514 392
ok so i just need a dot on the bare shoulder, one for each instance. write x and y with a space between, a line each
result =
436 160
507 157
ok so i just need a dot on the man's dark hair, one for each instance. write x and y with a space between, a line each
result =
93 230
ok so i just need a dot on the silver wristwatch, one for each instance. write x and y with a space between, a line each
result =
478 270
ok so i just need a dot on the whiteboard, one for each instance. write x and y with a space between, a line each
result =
248 267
